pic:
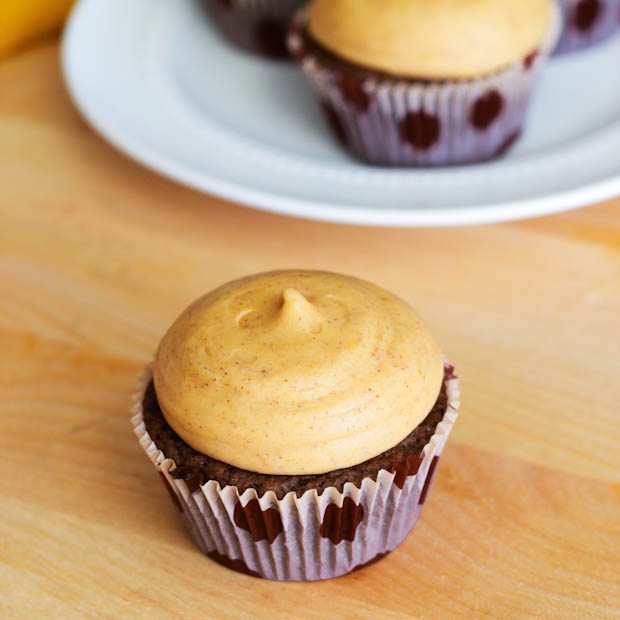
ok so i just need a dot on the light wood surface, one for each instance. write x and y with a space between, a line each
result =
97 256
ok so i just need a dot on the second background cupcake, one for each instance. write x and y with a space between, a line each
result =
418 83
587 23
257 26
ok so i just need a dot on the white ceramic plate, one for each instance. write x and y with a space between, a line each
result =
154 78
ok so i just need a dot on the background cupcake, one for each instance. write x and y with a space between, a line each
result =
258 26
411 82
587 23
297 419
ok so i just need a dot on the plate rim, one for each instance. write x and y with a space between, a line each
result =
251 197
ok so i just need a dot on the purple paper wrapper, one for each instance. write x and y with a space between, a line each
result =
258 26
587 23
315 536
393 121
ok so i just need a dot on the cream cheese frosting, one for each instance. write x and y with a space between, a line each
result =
431 39
297 372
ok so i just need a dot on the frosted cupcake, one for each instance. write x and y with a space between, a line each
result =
297 418
587 23
419 83
257 26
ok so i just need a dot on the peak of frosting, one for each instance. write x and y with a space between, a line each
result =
297 372
433 39
297 313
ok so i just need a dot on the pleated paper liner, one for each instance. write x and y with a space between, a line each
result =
257 26
393 121
587 23
315 536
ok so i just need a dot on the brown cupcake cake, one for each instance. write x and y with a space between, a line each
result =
297 418
419 83
257 26
587 23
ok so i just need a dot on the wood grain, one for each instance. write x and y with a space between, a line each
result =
98 255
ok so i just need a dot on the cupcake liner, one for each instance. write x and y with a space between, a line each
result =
587 23
315 536
395 121
258 26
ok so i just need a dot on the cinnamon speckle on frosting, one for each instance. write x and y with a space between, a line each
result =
322 372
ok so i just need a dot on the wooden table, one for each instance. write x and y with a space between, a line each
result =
98 256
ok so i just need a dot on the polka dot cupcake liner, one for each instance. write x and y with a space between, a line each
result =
258 26
587 23
393 121
312 537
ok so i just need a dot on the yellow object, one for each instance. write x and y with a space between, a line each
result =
297 372
434 39
22 21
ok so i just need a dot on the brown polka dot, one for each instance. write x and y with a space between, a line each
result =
238 565
408 468
448 372
370 562
508 142
429 479
340 523
270 38
587 13
420 129
195 480
173 496
353 92
528 61
262 524
335 123
487 109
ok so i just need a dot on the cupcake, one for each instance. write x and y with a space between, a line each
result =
419 83
258 26
587 23
297 419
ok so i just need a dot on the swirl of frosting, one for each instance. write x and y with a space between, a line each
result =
297 372
431 39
